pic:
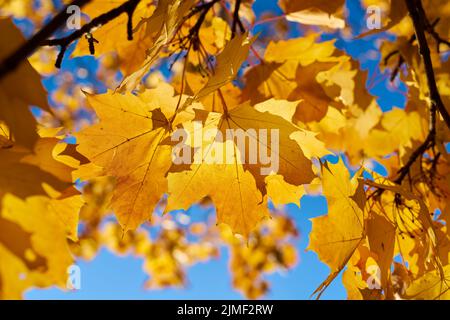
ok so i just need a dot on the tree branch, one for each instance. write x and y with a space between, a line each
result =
418 17
420 25
434 34
236 19
429 141
127 7
11 62
401 59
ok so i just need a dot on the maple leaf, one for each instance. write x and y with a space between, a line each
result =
322 13
336 236
249 139
361 277
39 254
326 6
112 37
431 286
229 62
410 216
19 90
240 179
233 191
293 77
161 26
217 101
23 173
381 241
404 126
129 143
397 11
294 83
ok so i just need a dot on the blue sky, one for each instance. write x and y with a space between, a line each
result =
112 277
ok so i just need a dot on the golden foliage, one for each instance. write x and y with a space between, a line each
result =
86 152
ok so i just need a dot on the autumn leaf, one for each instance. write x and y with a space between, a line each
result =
396 12
160 27
229 62
113 38
137 155
293 77
233 109
226 168
23 174
234 193
40 255
336 236
320 13
19 90
431 286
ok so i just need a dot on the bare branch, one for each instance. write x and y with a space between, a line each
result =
401 59
434 34
418 17
11 62
404 171
127 7
420 25
236 19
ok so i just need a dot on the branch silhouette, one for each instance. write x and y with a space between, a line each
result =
11 62
421 25
419 19
401 59
41 37
236 19
127 7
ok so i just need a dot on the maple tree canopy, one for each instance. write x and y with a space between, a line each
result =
269 107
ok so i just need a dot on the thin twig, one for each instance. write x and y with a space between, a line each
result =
11 62
127 7
404 171
420 23
236 19
401 59
418 17
433 33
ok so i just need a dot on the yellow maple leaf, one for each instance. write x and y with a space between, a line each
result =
113 36
21 174
233 175
229 62
19 90
129 144
336 236
322 13
34 250
161 27
431 286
